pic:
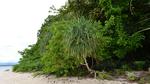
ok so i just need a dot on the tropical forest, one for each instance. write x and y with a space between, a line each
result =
92 38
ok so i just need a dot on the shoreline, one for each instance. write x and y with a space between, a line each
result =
9 77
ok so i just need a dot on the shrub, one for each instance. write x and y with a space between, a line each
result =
131 76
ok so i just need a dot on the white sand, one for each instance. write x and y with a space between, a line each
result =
8 77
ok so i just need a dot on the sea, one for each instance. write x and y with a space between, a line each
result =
5 67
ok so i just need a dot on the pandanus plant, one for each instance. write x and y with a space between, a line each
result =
83 40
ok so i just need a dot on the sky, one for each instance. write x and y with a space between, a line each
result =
20 21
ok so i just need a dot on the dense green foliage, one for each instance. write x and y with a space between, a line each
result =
91 35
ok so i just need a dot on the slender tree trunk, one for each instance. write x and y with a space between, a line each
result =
88 68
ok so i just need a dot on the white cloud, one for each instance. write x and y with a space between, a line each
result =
19 22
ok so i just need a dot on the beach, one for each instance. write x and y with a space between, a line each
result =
9 77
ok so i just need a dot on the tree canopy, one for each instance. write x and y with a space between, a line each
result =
86 35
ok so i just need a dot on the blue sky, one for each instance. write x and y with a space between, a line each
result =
19 22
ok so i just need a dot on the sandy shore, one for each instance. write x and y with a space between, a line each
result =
8 77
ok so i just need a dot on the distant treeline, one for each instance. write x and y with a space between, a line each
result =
88 36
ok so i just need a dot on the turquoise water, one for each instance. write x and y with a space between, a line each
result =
3 68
